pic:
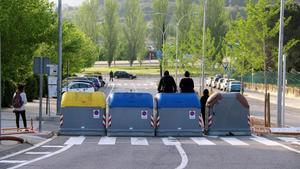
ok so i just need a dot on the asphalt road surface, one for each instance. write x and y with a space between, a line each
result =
94 152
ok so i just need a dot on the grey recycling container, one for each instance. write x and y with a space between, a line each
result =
83 113
228 114
130 114
178 114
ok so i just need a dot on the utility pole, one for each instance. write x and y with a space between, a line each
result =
283 90
0 88
203 46
59 74
176 72
279 80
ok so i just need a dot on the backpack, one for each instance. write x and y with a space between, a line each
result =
17 100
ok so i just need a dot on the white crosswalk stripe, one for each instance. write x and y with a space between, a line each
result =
107 140
13 161
265 141
170 141
202 141
139 141
290 140
234 141
52 146
38 153
75 140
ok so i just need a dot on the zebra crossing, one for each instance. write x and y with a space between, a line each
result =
201 141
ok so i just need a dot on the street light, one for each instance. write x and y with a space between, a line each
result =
203 46
59 74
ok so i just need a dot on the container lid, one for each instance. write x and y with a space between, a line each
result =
83 99
130 99
177 100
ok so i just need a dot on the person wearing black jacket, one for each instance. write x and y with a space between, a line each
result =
203 101
167 84
186 84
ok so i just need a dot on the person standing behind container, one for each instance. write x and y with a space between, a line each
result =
167 84
111 76
186 84
19 101
203 103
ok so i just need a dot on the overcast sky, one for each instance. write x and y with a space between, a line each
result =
69 2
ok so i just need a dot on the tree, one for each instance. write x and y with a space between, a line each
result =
78 49
160 22
110 29
24 25
216 22
134 30
87 18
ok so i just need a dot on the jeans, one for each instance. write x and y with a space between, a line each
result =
17 113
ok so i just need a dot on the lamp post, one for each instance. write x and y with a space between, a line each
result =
203 47
0 87
59 74
280 67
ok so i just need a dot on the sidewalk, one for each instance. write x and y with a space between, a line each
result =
290 101
50 125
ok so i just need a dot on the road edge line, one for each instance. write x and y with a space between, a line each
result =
28 149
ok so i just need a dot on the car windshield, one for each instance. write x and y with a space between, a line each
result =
235 83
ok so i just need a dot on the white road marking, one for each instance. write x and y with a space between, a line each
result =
38 153
265 141
287 139
139 141
184 158
43 157
28 149
170 141
52 146
290 140
234 141
110 92
107 140
12 161
75 140
202 141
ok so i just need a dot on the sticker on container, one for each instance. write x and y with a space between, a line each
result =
192 114
144 114
96 114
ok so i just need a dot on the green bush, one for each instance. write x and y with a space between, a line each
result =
31 88
8 90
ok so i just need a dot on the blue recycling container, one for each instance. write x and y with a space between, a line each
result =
130 114
178 114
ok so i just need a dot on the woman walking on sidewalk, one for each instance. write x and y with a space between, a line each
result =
19 101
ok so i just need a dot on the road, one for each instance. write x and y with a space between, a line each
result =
89 152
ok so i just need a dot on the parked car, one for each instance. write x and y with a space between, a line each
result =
76 86
234 86
123 74
78 79
96 82
225 83
209 81
220 81
214 82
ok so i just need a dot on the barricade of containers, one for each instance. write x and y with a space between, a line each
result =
138 114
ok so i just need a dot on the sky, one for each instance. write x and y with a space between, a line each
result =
69 2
